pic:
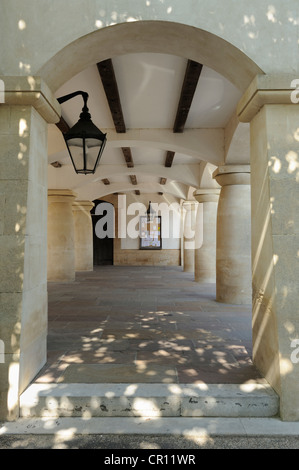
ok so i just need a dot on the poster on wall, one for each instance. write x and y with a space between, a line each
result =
150 233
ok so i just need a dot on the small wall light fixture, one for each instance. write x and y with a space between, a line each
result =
150 213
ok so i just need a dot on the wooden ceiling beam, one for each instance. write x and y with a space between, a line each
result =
133 179
108 78
107 75
128 156
192 74
63 125
56 164
169 158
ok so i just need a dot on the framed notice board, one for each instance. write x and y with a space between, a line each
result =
150 233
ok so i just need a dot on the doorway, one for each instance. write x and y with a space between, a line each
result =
102 246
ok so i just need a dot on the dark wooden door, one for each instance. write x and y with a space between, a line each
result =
102 247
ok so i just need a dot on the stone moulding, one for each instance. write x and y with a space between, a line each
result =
263 90
31 91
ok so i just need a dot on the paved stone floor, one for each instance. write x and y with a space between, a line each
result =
145 325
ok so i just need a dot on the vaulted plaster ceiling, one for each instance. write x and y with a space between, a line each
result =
161 141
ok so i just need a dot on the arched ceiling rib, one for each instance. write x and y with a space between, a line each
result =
159 37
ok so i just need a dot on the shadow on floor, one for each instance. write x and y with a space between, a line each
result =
145 325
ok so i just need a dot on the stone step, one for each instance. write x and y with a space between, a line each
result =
148 400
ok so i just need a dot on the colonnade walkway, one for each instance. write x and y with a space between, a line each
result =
145 325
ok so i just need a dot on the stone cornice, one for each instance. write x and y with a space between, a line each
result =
263 90
31 91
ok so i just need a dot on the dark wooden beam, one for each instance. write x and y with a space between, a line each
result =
108 78
128 156
133 179
63 125
192 75
106 181
56 164
163 180
169 158
107 75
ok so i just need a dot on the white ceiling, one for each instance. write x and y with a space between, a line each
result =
149 88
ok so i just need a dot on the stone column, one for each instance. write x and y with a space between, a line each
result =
233 255
274 124
23 235
83 235
205 248
61 248
189 235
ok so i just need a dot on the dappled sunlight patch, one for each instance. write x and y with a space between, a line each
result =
168 342
292 159
148 319
131 389
286 366
23 128
271 14
191 372
275 164
199 436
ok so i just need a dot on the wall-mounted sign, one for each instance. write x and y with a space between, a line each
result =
150 233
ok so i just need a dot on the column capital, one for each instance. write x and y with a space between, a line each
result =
83 206
31 91
266 89
207 195
61 195
232 174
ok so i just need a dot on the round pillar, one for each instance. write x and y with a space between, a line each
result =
189 235
233 254
205 246
83 235
61 254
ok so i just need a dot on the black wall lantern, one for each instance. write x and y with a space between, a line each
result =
83 137
150 213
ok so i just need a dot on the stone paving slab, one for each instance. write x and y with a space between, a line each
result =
113 373
113 311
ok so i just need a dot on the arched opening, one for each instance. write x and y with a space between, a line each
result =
153 36
220 360
242 71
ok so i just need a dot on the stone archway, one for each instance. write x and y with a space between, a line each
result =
153 36
28 353
28 133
